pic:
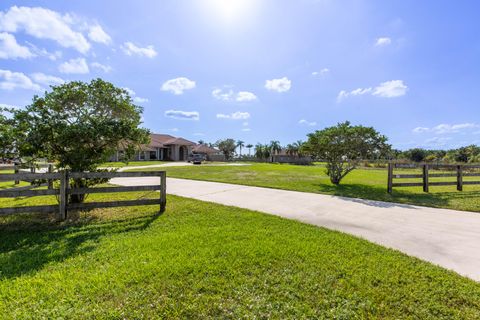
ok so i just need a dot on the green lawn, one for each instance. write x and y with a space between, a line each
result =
361 183
202 260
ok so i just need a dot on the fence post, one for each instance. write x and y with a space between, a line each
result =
425 178
50 181
390 178
16 170
459 178
163 191
62 208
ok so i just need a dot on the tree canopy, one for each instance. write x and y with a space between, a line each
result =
343 146
80 125
227 147
7 134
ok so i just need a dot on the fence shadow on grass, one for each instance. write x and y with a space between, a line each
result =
368 195
26 249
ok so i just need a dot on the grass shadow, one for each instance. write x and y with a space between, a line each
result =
27 248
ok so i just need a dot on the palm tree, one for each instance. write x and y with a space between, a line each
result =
275 148
249 147
201 142
291 149
240 144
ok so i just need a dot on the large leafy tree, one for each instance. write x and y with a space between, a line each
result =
227 147
7 134
80 125
343 146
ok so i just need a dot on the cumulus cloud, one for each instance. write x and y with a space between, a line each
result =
134 96
322 72
100 66
388 89
230 95
97 34
12 80
383 41
74 66
307 123
10 49
447 128
279 85
220 94
234 116
131 49
245 96
182 115
46 80
43 23
391 89
178 85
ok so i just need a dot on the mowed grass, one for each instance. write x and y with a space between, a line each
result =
360 183
203 260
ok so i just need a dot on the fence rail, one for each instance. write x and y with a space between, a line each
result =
63 191
460 173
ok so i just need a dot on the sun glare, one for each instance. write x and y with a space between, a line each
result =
230 11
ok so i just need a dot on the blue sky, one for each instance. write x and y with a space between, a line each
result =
260 70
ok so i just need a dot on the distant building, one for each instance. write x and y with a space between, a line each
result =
210 153
161 147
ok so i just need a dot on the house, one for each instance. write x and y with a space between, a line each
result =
161 147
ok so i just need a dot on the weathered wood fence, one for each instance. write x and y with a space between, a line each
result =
63 191
458 171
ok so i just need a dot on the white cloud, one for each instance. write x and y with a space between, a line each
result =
132 94
420 130
75 66
100 66
219 94
182 115
447 128
178 85
388 89
97 34
279 85
322 72
139 100
43 24
199 134
307 123
246 129
230 95
131 49
391 89
234 116
437 141
46 80
10 49
383 41
12 80
245 124
244 96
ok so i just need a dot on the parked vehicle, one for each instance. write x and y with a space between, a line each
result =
197 158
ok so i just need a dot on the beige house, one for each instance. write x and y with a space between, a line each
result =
161 147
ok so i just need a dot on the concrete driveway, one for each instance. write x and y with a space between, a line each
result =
444 237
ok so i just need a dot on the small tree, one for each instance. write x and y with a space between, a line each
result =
80 125
7 135
343 146
227 147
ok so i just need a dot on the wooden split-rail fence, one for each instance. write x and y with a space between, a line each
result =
457 171
63 191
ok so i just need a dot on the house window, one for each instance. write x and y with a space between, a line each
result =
153 155
142 155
